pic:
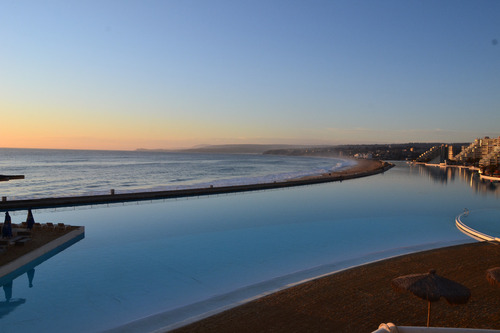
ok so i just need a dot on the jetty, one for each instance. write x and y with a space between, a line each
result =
4 178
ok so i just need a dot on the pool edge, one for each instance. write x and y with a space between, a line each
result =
42 253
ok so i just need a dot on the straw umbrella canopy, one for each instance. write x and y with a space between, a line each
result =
431 287
493 276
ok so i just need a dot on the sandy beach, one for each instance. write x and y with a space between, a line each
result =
361 298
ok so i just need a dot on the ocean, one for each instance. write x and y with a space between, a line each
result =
150 265
56 173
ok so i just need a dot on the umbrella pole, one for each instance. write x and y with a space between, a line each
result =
429 314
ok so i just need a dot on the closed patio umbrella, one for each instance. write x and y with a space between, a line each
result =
7 226
431 287
30 221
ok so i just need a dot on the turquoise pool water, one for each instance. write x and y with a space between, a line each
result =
143 266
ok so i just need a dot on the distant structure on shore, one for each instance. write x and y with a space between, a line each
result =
482 153
387 152
437 154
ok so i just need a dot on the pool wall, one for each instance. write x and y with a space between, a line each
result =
472 232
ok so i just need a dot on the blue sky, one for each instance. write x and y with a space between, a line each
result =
166 74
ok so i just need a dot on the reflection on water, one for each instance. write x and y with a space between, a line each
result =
10 304
451 174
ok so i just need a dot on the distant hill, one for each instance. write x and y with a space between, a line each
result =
230 148
397 151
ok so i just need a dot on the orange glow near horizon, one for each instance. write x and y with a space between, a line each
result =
68 127
58 128
27 127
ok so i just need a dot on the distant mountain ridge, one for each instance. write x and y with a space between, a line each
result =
230 148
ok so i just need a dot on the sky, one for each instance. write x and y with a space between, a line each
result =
173 74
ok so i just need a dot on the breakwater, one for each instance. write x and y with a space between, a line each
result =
112 197
5 178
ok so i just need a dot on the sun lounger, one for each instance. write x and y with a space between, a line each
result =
22 241
15 239
48 225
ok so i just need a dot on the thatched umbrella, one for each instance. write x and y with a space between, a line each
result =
432 287
493 276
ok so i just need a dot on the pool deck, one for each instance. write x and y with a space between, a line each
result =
363 169
46 243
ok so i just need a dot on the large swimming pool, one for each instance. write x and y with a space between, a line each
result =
143 266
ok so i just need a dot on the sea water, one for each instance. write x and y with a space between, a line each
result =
147 265
50 173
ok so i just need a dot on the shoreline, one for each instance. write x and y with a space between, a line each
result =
363 168
360 298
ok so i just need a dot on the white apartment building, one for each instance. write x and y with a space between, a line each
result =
485 151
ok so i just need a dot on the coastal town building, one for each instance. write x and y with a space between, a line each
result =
482 153
437 154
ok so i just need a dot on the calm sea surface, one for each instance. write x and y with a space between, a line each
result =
147 265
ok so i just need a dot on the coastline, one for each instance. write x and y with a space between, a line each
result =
358 299
363 168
